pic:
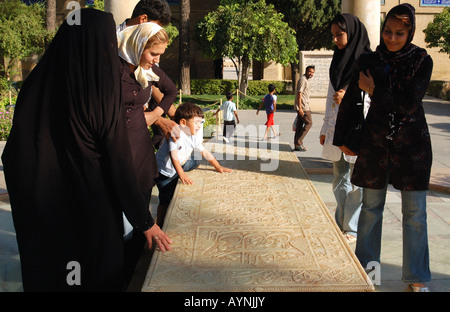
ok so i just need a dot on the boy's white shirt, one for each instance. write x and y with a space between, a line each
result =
185 145
228 108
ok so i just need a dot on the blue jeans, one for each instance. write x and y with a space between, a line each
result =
348 197
415 239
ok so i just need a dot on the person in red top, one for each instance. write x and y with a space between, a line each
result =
270 103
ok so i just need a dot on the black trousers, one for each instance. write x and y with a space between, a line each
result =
228 128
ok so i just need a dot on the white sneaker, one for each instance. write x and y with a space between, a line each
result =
226 140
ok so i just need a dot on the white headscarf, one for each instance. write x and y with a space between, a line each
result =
132 41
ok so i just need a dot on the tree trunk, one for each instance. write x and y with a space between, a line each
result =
295 72
50 16
244 75
185 69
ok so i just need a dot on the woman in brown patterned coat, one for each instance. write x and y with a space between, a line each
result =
396 145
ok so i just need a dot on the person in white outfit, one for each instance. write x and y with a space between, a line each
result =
351 40
230 117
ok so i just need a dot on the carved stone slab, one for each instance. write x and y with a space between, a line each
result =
253 230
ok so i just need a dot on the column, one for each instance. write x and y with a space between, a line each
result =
120 9
368 11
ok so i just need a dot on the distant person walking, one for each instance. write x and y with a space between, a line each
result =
304 117
230 117
270 103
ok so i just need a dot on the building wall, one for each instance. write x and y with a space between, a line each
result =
201 67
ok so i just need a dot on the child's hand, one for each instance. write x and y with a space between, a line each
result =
185 179
223 169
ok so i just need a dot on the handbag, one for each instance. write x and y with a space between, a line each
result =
352 139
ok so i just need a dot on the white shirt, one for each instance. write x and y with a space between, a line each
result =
228 108
185 145
330 151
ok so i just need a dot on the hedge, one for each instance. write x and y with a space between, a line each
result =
439 89
222 86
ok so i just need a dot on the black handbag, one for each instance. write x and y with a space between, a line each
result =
352 139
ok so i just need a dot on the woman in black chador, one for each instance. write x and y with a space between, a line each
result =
68 164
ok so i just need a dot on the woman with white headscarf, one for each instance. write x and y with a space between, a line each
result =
140 48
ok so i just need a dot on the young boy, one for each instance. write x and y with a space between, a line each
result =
175 158
229 116
270 102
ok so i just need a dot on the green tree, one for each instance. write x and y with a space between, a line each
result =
98 4
22 32
437 33
310 19
172 31
246 30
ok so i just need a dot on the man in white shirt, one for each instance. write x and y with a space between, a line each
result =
304 117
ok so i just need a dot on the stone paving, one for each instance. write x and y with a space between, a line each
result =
262 227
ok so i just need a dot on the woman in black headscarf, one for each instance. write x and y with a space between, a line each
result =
68 165
351 40
396 145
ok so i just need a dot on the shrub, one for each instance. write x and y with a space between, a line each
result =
6 118
439 89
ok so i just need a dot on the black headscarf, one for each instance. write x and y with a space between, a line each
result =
401 9
68 164
344 60
403 64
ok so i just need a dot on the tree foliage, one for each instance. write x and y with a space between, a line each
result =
437 33
310 19
246 30
22 32
97 4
